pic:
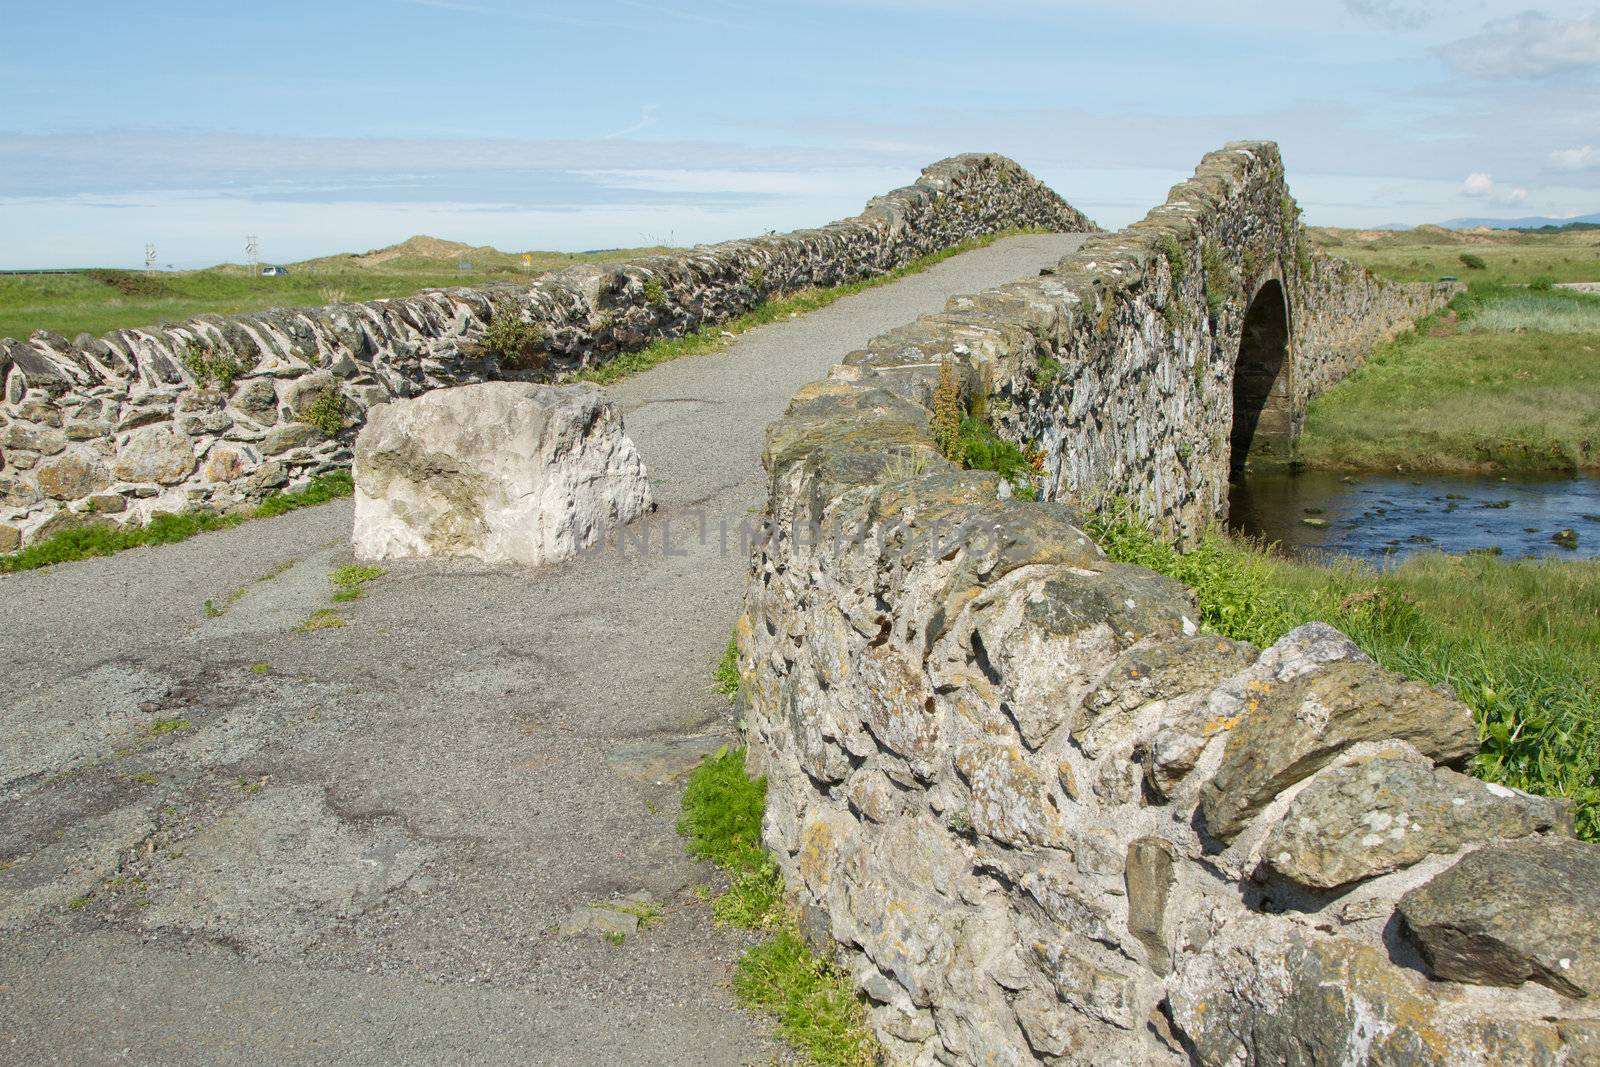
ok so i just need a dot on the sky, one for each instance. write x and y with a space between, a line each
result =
347 125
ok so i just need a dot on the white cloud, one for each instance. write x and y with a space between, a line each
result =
1530 45
1480 186
1581 158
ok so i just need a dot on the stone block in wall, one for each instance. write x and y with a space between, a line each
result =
1386 812
1290 730
157 453
1513 913
504 472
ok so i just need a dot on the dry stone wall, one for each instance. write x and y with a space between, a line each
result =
213 412
1042 817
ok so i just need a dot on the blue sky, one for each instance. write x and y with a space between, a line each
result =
343 126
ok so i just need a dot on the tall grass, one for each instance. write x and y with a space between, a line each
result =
1504 309
1516 640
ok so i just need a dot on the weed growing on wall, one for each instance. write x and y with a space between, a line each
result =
817 1010
1177 258
511 339
327 412
947 410
207 367
654 295
1218 281
1514 639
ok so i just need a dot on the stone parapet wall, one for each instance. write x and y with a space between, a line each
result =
1037 814
211 412
1120 366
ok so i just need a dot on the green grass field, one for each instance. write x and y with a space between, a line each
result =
98 301
1429 253
1507 379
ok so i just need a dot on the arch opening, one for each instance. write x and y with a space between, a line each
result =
1263 406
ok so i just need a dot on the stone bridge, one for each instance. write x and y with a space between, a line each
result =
1037 814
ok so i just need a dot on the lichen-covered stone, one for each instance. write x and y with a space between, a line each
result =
502 472
1290 730
72 476
1264 996
156 453
1381 814
1513 913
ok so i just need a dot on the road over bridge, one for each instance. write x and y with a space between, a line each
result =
227 840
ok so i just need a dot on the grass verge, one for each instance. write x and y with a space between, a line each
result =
817 1010
108 538
716 337
1507 379
1514 639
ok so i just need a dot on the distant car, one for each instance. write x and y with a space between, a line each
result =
274 272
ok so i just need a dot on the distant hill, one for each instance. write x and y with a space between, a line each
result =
1532 222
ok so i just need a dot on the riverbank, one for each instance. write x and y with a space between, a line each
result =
1514 639
1507 379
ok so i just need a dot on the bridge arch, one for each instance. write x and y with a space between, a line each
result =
1263 382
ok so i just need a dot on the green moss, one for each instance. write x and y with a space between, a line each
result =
321 489
349 577
166 726
817 1010
322 619
722 811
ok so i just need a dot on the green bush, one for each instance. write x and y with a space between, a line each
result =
980 448
510 339
1472 262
